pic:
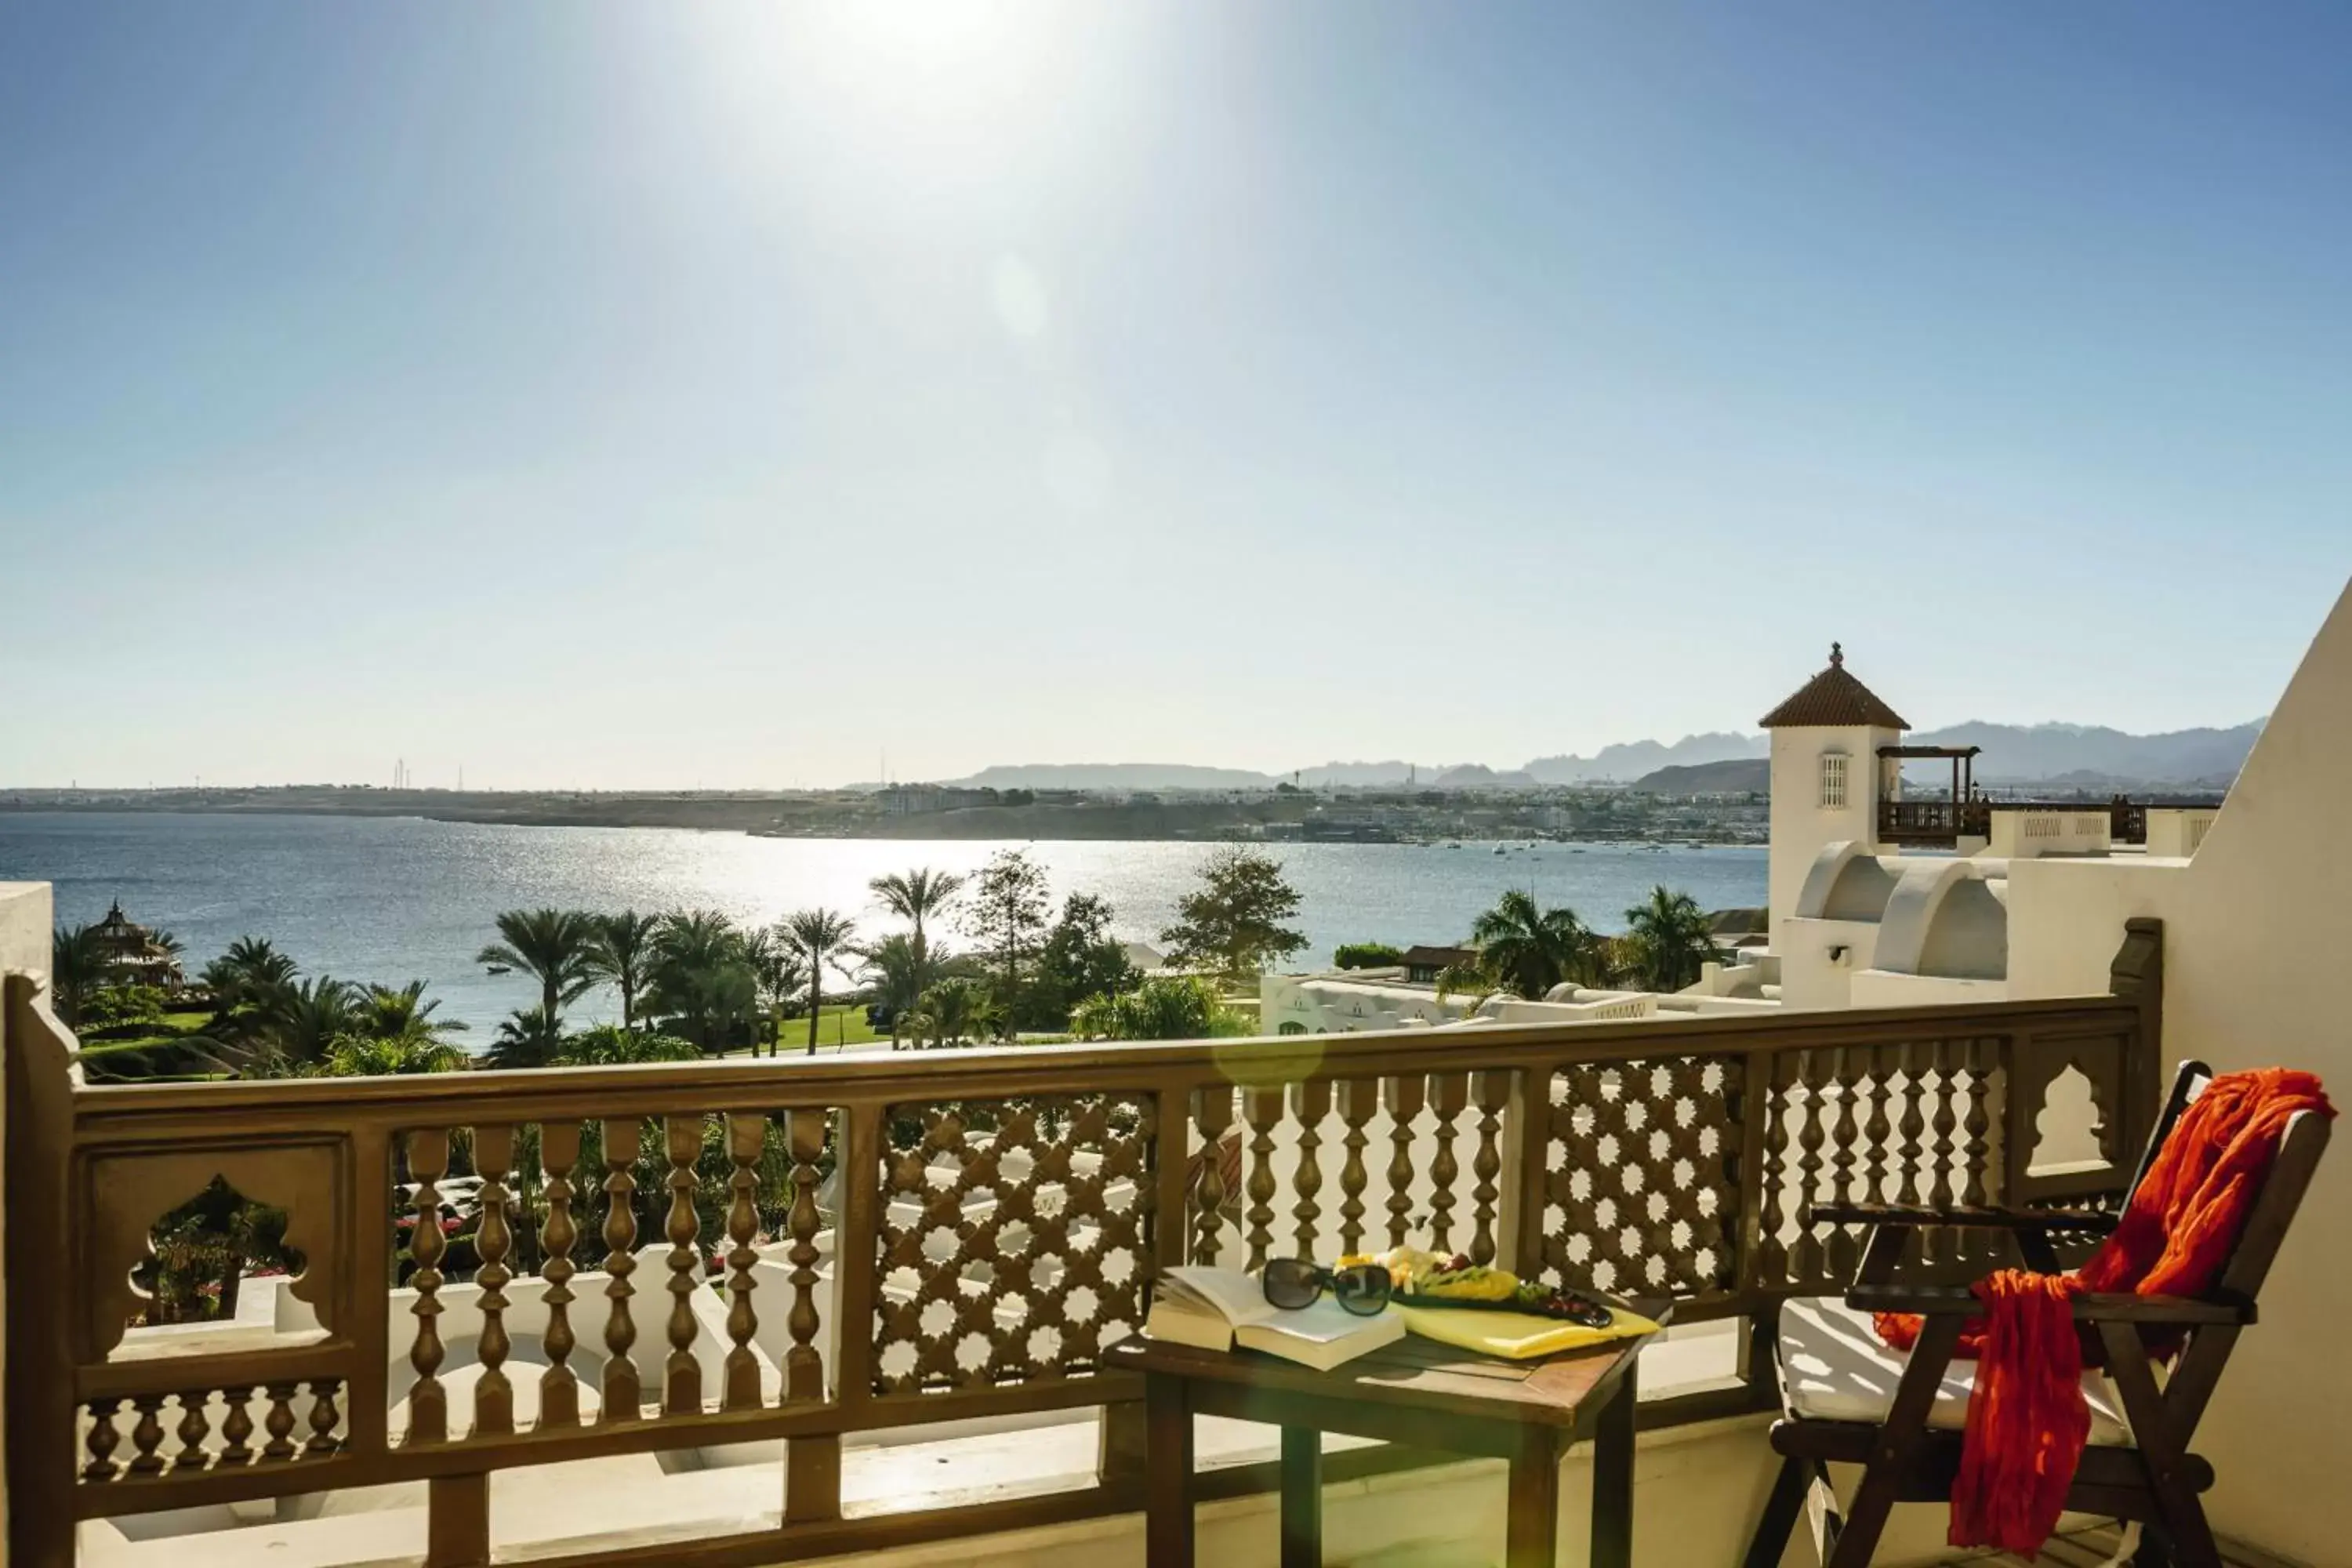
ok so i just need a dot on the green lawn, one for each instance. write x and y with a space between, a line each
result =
835 1026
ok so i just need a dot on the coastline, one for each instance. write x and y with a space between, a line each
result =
1481 818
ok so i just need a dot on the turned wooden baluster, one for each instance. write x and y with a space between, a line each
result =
194 1429
558 1385
236 1427
1262 1109
279 1422
1772 1249
102 1440
1213 1112
1917 1156
1942 1243
747 1134
1358 1098
493 1393
1449 1092
681 1373
1978 1161
1813 1131
1853 1074
1913 1158
1879 1154
147 1436
1403 1095
804 1366
1978 1152
624 1399
323 1418
1310 1103
428 1402
1491 1092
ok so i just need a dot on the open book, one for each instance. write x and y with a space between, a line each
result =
1217 1308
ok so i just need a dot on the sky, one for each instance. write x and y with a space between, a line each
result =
760 396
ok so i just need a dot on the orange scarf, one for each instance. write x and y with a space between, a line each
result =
2027 1418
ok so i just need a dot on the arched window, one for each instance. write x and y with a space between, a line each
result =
1291 1027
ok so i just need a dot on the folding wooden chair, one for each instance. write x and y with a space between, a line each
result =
1846 1397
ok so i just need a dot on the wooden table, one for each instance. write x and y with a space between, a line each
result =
1417 1393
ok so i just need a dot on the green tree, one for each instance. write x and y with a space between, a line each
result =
77 970
1006 916
821 936
953 1011
530 1037
1164 1007
555 947
1080 959
624 957
360 1056
703 986
1232 924
1525 950
1666 941
612 1045
1367 955
302 1021
247 976
779 975
895 969
402 1015
915 897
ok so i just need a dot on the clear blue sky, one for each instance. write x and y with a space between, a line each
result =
645 395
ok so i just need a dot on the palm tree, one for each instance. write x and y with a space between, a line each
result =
1526 950
530 1038
701 980
1667 940
914 897
249 973
356 1055
624 956
953 1011
77 968
777 971
821 935
302 1022
896 969
403 1016
608 1045
555 947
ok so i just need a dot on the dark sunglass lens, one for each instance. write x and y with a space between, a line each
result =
1289 1282
1363 1290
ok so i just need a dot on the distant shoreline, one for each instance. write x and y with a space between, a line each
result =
1282 819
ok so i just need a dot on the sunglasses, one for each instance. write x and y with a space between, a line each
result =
1292 1282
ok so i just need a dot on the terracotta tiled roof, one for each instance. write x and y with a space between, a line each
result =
1833 699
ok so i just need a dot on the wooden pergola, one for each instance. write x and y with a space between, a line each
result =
1963 760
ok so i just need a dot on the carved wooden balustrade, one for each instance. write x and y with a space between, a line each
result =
926 1238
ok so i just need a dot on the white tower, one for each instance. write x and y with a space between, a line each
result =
1827 775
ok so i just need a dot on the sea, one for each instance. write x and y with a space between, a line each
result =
394 899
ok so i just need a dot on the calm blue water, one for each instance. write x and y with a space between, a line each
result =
398 899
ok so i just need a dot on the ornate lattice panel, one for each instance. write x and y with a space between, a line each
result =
1641 1191
1015 1239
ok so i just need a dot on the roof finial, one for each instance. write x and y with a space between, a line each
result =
1837 656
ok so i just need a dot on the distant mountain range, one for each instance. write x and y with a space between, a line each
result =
1623 764
1734 775
2077 756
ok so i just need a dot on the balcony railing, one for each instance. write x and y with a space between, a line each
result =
1944 821
995 1218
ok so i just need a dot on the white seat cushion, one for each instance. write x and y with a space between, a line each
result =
1833 1368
